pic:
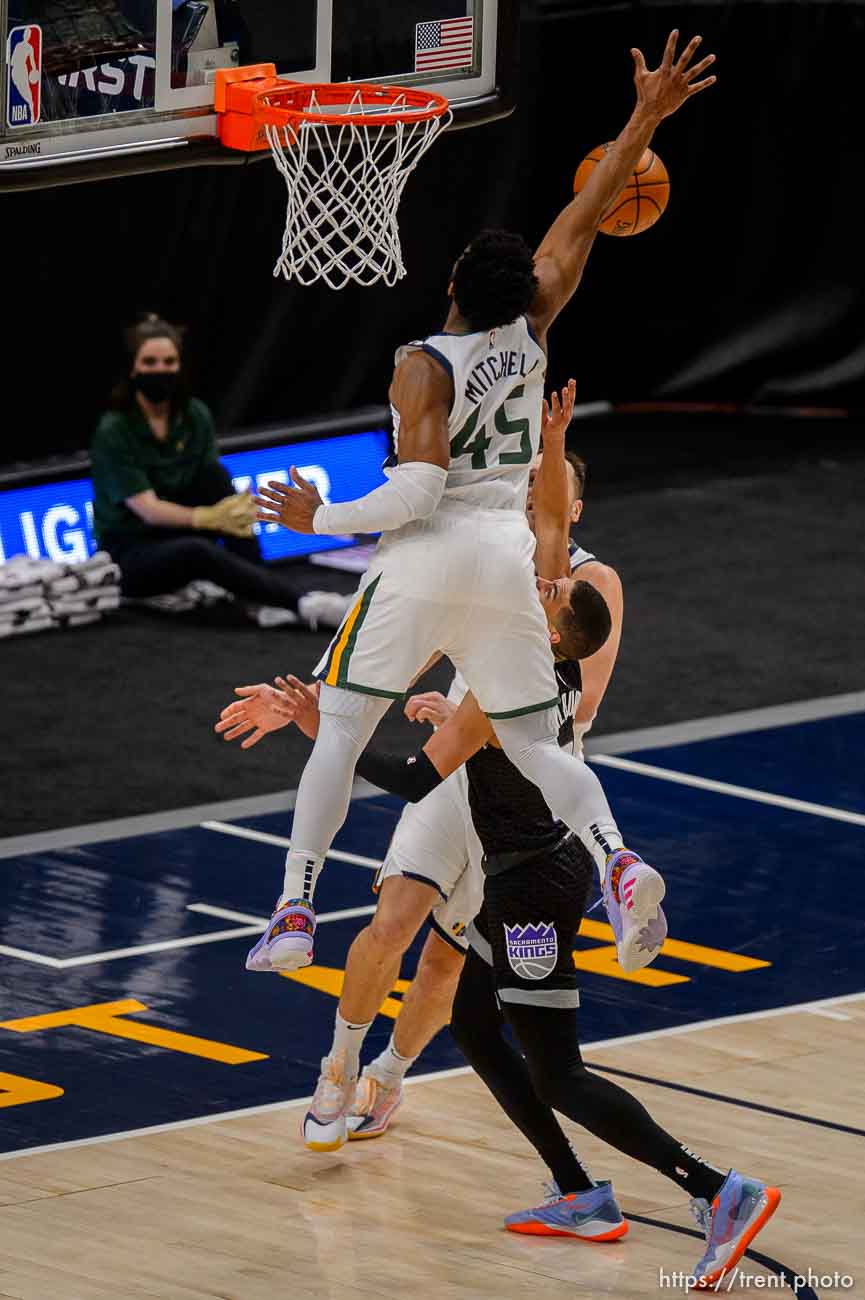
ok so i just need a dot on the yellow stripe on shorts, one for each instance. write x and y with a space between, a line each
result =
337 670
339 648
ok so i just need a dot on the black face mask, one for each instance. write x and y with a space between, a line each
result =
157 385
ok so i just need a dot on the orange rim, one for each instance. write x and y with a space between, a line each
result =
290 106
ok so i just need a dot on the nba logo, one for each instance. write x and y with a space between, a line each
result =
24 86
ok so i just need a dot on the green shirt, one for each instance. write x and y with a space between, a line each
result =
126 459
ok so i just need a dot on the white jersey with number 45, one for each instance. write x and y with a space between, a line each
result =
495 421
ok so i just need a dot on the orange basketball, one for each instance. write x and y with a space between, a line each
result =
642 200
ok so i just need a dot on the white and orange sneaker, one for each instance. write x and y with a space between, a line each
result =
324 1125
632 896
742 1207
373 1108
593 1215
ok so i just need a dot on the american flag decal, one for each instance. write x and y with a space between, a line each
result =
445 43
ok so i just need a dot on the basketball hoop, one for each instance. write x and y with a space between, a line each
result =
345 151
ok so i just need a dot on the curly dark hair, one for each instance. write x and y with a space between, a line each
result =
494 281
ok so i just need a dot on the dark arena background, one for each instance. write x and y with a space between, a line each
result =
720 367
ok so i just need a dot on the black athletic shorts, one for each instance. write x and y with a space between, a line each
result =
527 927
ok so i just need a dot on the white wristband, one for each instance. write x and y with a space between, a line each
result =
412 492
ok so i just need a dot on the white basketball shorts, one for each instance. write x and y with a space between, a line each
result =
463 583
435 842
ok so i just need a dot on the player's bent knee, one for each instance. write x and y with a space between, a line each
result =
392 933
465 1032
478 1036
403 906
520 737
462 1018
557 1083
440 962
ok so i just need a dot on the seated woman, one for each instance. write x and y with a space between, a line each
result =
165 507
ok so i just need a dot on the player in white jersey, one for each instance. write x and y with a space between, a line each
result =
433 864
454 572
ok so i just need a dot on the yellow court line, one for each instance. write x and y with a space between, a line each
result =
695 952
329 979
107 1018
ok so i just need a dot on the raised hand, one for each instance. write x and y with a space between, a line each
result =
259 710
661 92
300 703
291 504
558 413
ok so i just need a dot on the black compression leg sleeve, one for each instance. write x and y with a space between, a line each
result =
548 1036
477 1026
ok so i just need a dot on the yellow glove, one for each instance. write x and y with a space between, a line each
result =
234 515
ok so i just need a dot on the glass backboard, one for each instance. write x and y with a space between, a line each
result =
92 88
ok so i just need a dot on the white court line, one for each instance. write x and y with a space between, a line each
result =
830 1015
727 724
723 787
226 914
161 945
432 1077
674 733
190 941
23 955
247 833
124 828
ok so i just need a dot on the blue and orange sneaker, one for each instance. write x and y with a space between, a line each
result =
287 942
374 1106
742 1207
592 1216
632 896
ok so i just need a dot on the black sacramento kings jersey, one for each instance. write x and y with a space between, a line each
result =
509 812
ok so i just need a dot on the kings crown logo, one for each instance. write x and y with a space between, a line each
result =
532 950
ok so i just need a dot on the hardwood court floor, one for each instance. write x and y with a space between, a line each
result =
238 1209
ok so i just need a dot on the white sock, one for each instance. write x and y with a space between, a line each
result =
390 1067
602 839
301 873
348 1038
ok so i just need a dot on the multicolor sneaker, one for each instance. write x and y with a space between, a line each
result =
324 1125
373 1108
632 896
742 1207
593 1215
287 942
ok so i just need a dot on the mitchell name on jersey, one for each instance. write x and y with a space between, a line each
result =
489 370
494 423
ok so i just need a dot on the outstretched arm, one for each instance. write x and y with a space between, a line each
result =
422 392
598 668
562 254
263 708
452 745
551 494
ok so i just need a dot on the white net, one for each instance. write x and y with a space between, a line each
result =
344 185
